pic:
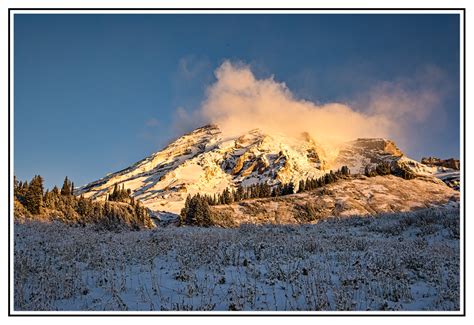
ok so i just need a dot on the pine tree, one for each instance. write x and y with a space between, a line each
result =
240 194
277 191
265 190
227 196
22 189
19 189
288 189
291 188
301 186
15 186
113 196
84 206
345 171
34 195
202 213
185 210
66 189
55 190
47 200
215 201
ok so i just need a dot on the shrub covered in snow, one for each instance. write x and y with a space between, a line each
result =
402 261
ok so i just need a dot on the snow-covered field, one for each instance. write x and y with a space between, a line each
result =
404 261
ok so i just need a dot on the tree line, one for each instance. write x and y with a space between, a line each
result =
386 168
197 210
264 190
197 207
32 202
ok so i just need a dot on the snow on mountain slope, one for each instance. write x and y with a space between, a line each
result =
369 152
205 161
358 195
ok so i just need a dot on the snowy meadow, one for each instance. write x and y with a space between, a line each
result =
402 261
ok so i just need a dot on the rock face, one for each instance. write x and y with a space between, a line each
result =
448 163
359 195
368 152
206 161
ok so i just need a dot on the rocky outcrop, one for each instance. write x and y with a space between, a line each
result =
448 163
367 152
378 145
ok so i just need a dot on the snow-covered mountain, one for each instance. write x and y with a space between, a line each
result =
206 161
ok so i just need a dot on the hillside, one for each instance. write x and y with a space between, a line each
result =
359 195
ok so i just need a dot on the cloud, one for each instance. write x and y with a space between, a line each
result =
238 102
191 67
410 102
407 99
152 122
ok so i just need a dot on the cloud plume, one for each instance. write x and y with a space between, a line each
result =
239 102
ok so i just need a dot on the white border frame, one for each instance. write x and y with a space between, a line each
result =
195 11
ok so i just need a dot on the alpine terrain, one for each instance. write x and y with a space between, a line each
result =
205 161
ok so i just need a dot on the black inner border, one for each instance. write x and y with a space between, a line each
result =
267 11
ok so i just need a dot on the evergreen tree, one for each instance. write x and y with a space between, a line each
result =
309 184
22 189
290 188
185 210
66 189
84 206
34 195
15 185
301 186
114 195
227 197
51 198
120 194
47 199
196 212
345 171
265 190
239 194
55 190
277 191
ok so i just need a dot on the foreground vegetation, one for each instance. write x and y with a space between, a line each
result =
402 261
120 210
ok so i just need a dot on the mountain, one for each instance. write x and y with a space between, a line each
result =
206 161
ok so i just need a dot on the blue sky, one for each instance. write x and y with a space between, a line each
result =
95 93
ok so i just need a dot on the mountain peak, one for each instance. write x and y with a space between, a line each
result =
204 161
207 127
